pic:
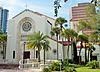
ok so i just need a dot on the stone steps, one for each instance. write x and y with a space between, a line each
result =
9 66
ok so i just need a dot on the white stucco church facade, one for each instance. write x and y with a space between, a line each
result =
24 24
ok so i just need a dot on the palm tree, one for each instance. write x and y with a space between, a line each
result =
70 35
60 21
45 47
95 2
83 24
56 30
66 34
90 50
82 38
3 40
94 37
73 36
36 41
92 22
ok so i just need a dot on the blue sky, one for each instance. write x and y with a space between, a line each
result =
42 6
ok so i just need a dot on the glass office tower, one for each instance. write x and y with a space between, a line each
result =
3 19
1 13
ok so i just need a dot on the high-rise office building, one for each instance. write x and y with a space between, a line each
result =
78 13
3 19
1 13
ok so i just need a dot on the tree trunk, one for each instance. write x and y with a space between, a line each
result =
62 43
34 53
68 54
63 50
74 52
44 56
68 51
61 26
80 56
85 53
88 55
57 47
80 53
4 50
38 54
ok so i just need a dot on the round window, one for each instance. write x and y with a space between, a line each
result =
26 26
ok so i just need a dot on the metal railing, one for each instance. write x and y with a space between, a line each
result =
29 63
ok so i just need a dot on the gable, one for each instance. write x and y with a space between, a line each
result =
37 13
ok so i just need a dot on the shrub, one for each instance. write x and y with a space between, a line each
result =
70 61
93 64
74 65
55 66
83 63
66 61
46 70
69 69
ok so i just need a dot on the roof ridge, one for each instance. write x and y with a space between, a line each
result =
32 12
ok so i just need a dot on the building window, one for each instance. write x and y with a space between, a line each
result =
36 54
13 54
26 26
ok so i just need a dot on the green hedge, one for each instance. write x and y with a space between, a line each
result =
46 70
93 64
55 66
69 69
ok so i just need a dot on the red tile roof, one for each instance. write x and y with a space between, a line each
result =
65 43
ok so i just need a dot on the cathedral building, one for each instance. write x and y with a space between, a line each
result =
24 24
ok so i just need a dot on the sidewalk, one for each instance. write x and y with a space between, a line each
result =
19 70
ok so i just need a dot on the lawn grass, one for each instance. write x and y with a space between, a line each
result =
86 69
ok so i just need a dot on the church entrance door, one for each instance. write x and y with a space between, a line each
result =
27 55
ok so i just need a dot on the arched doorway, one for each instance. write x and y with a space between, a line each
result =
26 27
